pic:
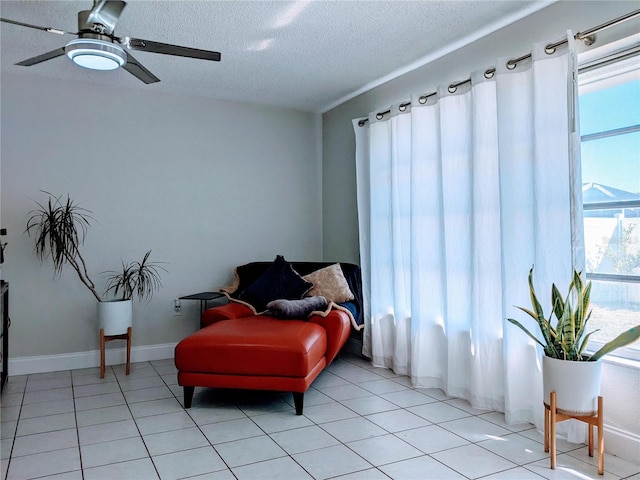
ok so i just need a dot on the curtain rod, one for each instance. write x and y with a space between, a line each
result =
588 37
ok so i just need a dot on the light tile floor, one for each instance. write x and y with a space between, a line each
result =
359 422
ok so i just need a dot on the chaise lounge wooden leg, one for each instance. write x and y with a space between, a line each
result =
298 401
188 396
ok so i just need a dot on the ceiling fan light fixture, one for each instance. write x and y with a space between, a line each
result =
95 54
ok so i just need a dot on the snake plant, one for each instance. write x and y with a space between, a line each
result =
568 339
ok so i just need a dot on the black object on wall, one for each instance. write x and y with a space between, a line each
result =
3 231
4 333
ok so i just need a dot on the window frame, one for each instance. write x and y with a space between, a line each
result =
621 55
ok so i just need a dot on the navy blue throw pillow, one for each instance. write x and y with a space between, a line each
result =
279 281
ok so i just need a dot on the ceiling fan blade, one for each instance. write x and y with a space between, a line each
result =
106 13
42 58
168 49
136 69
37 27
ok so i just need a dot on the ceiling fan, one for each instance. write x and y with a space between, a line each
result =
98 48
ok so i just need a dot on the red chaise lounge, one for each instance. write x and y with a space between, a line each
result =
237 348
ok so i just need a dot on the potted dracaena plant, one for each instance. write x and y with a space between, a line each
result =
566 369
60 227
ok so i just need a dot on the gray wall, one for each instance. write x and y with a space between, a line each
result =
206 185
339 185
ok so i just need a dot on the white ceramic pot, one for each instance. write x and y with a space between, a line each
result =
577 385
115 316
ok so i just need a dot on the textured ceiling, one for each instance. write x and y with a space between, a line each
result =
304 55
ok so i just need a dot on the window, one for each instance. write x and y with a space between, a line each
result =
609 89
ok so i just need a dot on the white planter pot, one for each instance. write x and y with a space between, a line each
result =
115 316
577 385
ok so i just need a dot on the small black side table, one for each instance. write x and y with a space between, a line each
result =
204 298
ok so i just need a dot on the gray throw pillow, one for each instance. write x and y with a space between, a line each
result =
296 308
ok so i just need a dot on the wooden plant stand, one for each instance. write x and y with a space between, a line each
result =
552 416
107 338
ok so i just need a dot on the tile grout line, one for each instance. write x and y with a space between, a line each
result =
75 417
15 431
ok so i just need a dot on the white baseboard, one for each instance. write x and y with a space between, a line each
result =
622 444
72 361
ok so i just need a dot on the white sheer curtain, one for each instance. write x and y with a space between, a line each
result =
457 199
